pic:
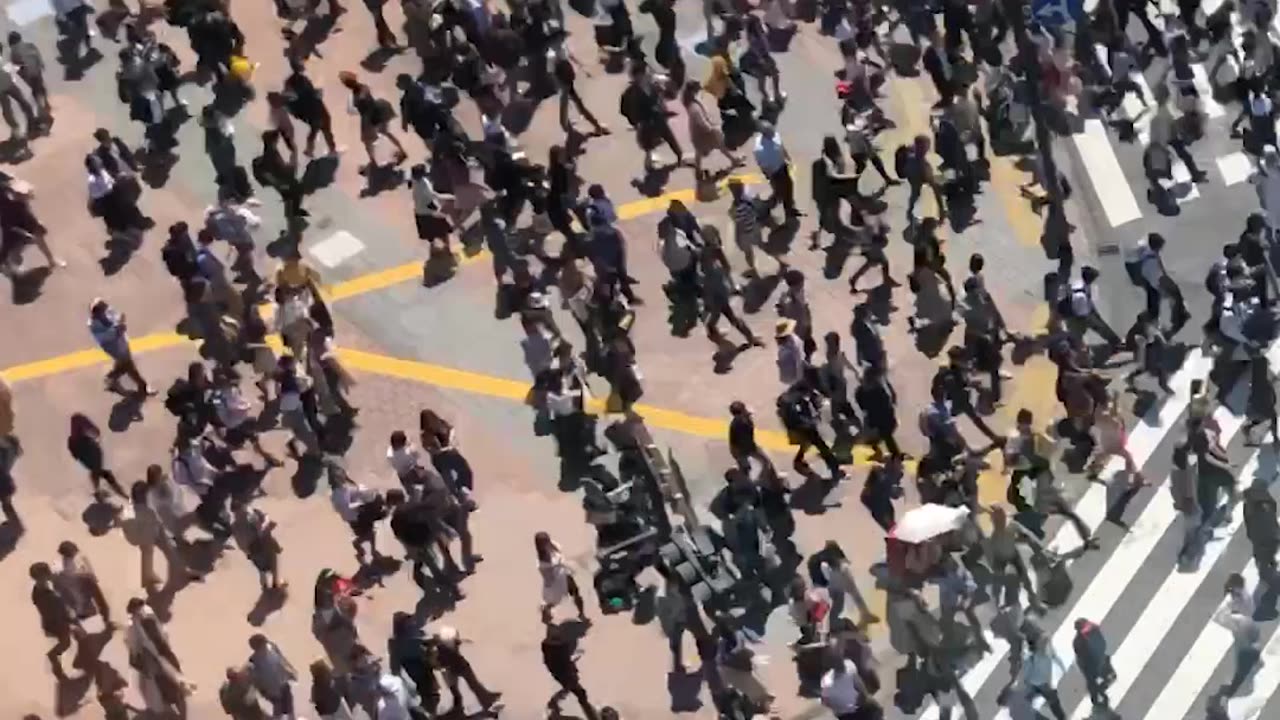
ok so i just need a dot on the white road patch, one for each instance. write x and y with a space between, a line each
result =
336 249
1235 168
1105 174
25 12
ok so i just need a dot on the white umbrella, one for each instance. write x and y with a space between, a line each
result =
927 522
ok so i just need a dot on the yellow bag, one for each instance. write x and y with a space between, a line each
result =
240 68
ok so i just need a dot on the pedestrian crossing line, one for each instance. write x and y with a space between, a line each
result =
1143 637
1106 176
1107 587
1235 168
1198 665
1092 507
1204 88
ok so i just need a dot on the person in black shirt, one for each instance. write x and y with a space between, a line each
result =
272 170
562 66
559 656
742 439
57 619
643 106
375 117
417 526
306 103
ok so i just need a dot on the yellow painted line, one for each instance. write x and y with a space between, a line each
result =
89 358
645 206
347 289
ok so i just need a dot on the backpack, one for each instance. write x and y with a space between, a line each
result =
792 411
1057 588
902 161
817 578
1133 267
677 251
1064 305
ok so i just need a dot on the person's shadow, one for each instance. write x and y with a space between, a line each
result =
269 601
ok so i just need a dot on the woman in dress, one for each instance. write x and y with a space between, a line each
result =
705 135
557 579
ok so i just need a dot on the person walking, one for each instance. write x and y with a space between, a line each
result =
57 617
1094 661
375 117
1262 527
1038 665
1261 407
148 532
743 446
1236 615
110 331
29 65
305 102
1081 311
560 657
1148 271
84 444
1112 441
163 687
558 581
272 674
704 134
775 164
78 584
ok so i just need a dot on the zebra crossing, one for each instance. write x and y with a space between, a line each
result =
1155 608
1114 169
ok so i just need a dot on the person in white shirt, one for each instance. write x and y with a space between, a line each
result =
791 362
775 163
1084 312
403 457
361 508
396 701
235 412
1236 615
841 688
1157 283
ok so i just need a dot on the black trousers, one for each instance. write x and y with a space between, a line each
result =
784 190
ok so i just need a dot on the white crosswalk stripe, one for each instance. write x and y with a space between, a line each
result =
1158 625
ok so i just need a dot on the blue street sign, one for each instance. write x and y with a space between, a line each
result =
1053 13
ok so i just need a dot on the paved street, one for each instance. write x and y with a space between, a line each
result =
444 347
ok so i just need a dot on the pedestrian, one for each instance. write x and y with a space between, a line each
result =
1236 615
327 696
558 581
361 508
445 644
272 674
704 134
29 65
385 38
305 101
10 95
1147 270
882 487
1261 407
78 585
110 331
911 163
560 656
1081 311
1262 527
798 412
434 225
1112 440
1038 666
842 689
564 67
148 532
160 680
298 413
57 617
271 169
235 415
878 400
834 568
874 256
1150 348
1095 662
84 444
375 117
718 289
255 532
239 698
743 446
791 356
775 163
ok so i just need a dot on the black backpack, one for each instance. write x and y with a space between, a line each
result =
902 162
793 411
